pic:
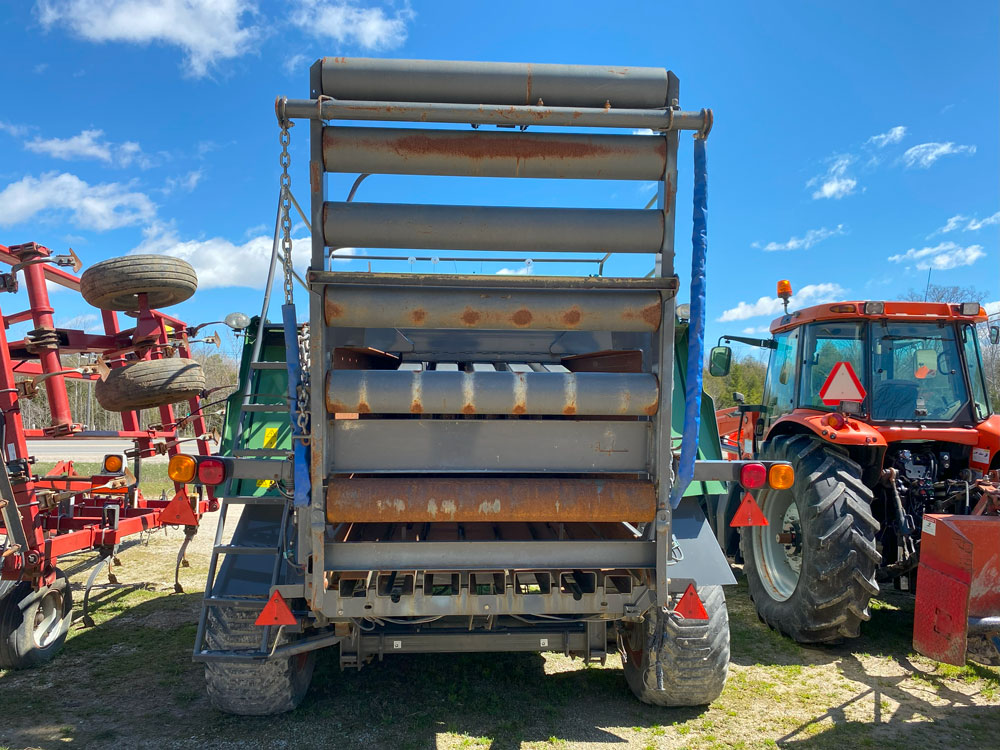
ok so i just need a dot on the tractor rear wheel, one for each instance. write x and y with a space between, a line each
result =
116 283
34 624
811 571
257 689
675 662
149 383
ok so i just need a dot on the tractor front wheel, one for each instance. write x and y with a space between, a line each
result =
811 570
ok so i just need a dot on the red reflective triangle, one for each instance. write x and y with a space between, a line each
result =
841 384
748 514
179 511
690 606
276 612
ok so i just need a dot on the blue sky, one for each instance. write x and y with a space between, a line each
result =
855 143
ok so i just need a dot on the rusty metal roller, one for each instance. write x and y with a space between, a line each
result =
492 228
462 153
510 393
497 499
458 82
492 309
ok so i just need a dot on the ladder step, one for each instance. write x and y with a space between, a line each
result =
242 549
268 366
260 452
256 500
274 408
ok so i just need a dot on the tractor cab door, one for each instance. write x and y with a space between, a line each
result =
779 385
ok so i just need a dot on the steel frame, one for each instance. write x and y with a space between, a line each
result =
88 515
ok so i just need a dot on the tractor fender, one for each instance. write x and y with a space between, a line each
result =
851 432
987 455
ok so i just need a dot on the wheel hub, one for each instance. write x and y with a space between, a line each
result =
778 546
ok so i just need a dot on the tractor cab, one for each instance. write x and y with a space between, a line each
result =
882 408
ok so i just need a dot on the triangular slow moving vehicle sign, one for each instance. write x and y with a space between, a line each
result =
842 384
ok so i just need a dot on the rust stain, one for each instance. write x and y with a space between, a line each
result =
416 407
468 409
572 317
651 314
333 310
470 317
498 146
521 318
527 91
520 409
363 408
418 316
569 411
337 407
651 409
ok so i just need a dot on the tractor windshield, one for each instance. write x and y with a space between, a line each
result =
917 372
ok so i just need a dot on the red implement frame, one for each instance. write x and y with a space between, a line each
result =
958 584
99 516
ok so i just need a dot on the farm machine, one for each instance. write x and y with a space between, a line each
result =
45 518
474 462
882 409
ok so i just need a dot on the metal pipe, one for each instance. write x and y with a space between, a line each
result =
493 114
48 351
494 154
510 393
389 500
979 625
492 228
502 309
493 82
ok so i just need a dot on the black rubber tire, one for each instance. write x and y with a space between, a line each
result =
24 620
6 587
693 655
839 558
115 284
149 383
258 689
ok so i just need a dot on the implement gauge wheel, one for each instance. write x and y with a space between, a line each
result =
34 624
675 662
149 383
116 283
811 571
257 689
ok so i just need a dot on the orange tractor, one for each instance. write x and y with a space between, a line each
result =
882 409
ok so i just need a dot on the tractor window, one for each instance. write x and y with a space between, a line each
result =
826 344
973 362
779 386
916 372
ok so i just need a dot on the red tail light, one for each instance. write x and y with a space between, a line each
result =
753 476
211 471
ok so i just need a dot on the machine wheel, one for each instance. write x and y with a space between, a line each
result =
34 624
115 284
259 689
813 584
149 383
692 655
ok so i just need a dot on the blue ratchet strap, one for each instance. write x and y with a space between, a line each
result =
300 452
696 329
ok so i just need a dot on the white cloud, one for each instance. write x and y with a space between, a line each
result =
186 182
219 262
951 225
966 224
812 237
992 308
926 154
755 330
12 129
207 30
295 64
89 145
99 207
836 183
941 257
893 135
84 322
977 224
810 294
348 22
524 270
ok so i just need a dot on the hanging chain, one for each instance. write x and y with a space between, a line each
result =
302 394
286 207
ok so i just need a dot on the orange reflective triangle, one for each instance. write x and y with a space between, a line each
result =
276 612
748 514
179 511
690 606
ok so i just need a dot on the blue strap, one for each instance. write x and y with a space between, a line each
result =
696 329
300 452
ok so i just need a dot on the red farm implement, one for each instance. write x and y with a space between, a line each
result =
145 365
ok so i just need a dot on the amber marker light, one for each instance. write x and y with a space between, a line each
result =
781 476
113 464
181 468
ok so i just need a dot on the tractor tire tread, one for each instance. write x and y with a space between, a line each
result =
150 383
115 284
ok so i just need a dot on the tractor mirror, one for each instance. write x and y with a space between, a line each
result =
719 361
994 334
